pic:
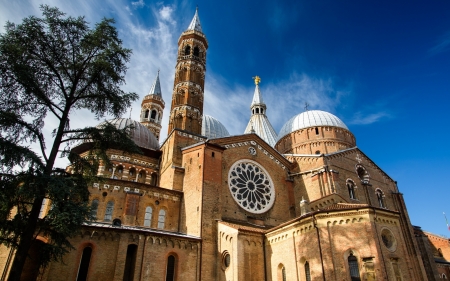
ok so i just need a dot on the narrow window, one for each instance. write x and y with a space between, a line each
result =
154 179
262 111
380 199
130 262
153 116
109 211
257 110
196 51
170 271
148 216
146 114
187 50
212 154
120 169
317 131
283 273
84 264
307 272
94 208
353 266
161 218
351 190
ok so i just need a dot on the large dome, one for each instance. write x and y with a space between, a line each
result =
212 128
141 136
310 118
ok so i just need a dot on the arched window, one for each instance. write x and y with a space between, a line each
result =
362 174
353 266
351 189
141 176
170 270
283 273
132 174
109 211
154 179
153 116
146 114
120 169
130 262
380 198
307 272
161 219
148 216
84 264
196 51
187 50
444 276
94 208
257 110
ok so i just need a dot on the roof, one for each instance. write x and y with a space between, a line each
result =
213 128
260 125
141 136
156 87
195 23
310 118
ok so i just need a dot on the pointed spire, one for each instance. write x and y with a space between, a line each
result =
257 97
156 87
195 23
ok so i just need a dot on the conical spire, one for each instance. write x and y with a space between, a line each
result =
195 23
156 87
259 123
257 97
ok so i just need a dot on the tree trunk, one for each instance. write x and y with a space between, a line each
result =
26 239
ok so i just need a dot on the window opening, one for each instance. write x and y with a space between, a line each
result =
351 189
212 154
283 273
161 218
153 116
94 208
146 113
109 211
307 272
196 51
148 216
353 266
170 271
84 264
380 199
317 131
130 262
187 50
257 110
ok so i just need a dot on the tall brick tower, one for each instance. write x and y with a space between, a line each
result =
187 99
152 108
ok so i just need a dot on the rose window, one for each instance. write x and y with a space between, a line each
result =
251 186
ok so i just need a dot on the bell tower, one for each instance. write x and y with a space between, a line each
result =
187 98
152 108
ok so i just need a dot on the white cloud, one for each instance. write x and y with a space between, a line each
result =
138 4
361 118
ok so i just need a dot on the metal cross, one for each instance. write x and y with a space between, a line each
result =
306 106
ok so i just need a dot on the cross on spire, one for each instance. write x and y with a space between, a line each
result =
306 106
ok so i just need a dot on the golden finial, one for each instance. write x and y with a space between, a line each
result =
257 80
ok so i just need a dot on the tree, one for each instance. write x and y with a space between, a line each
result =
49 68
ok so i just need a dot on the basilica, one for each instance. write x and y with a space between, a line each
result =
301 204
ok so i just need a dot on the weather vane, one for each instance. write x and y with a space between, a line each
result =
257 80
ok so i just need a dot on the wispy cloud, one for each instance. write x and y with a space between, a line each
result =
138 4
361 118
442 45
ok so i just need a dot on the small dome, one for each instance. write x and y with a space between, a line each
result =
212 128
141 136
310 118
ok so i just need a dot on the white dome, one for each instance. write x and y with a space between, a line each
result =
141 136
310 118
212 128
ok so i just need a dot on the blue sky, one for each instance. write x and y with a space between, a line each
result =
381 66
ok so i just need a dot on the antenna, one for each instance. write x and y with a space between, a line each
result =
306 106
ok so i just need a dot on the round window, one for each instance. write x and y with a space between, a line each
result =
388 239
251 186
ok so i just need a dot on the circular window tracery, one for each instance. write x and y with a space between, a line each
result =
251 186
388 239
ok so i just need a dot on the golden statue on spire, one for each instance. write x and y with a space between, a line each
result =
257 80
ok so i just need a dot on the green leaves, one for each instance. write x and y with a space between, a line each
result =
50 67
